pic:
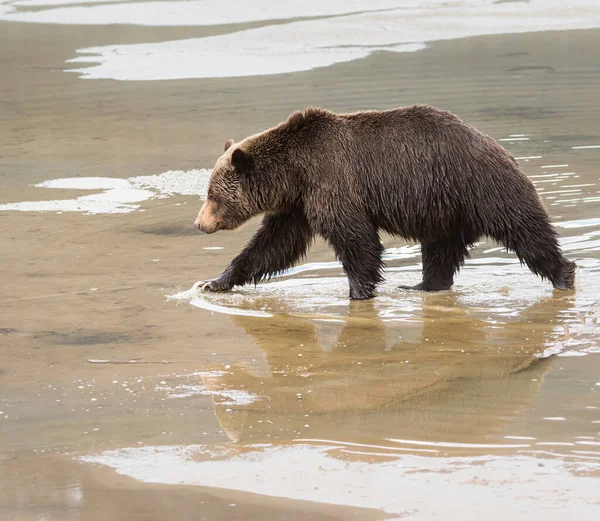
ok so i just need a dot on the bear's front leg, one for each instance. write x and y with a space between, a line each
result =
358 248
278 244
221 283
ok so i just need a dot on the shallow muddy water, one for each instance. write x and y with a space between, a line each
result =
125 395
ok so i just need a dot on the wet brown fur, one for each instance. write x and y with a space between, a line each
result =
415 172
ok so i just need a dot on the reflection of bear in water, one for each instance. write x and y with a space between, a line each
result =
417 172
465 377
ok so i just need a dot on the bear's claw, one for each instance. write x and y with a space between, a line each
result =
213 286
205 286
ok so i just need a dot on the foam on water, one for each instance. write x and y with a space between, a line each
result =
119 195
231 396
328 473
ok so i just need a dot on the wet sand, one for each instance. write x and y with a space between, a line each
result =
97 359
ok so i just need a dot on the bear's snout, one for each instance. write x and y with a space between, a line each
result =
207 221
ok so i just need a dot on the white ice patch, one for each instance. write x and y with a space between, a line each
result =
592 350
86 183
192 296
446 444
188 13
190 182
200 302
305 45
240 54
118 195
580 223
399 485
344 31
50 3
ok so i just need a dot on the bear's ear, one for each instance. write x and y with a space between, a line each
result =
241 160
228 144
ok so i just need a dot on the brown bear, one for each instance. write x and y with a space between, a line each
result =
416 172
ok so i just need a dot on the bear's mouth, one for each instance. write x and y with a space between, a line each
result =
208 229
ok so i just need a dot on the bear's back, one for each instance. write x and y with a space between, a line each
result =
413 163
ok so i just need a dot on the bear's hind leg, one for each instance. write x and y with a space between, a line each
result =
542 255
441 260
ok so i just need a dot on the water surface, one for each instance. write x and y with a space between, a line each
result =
126 396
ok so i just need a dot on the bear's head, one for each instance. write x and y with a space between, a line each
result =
229 202
263 173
